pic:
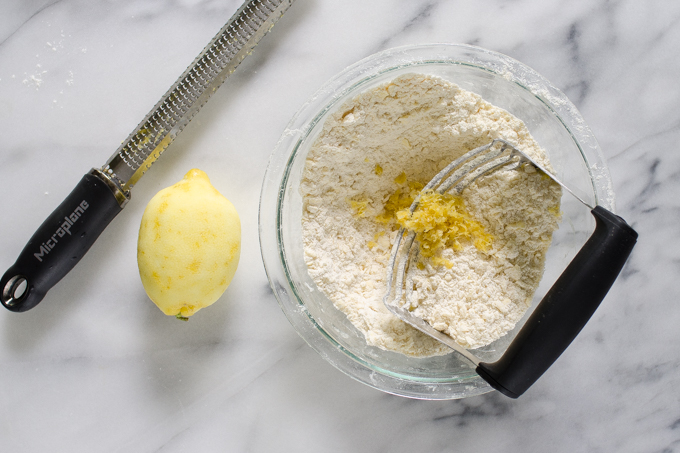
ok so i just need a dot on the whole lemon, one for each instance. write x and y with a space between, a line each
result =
189 246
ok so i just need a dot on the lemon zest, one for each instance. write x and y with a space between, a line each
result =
441 221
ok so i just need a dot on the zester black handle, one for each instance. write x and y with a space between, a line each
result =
565 309
59 243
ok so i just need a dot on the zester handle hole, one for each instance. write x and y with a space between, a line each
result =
15 290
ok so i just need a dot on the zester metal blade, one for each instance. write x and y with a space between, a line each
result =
192 90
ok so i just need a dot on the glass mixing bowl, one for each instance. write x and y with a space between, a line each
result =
552 120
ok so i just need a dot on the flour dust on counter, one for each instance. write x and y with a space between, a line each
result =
372 157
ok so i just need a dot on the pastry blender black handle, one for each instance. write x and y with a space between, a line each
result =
565 309
61 241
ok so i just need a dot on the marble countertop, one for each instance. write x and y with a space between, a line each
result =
96 366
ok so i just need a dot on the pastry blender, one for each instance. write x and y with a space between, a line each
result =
566 307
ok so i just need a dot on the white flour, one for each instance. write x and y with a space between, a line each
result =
417 124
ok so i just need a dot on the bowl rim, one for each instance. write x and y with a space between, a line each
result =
325 99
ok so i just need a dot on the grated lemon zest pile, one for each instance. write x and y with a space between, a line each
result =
440 221
402 198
